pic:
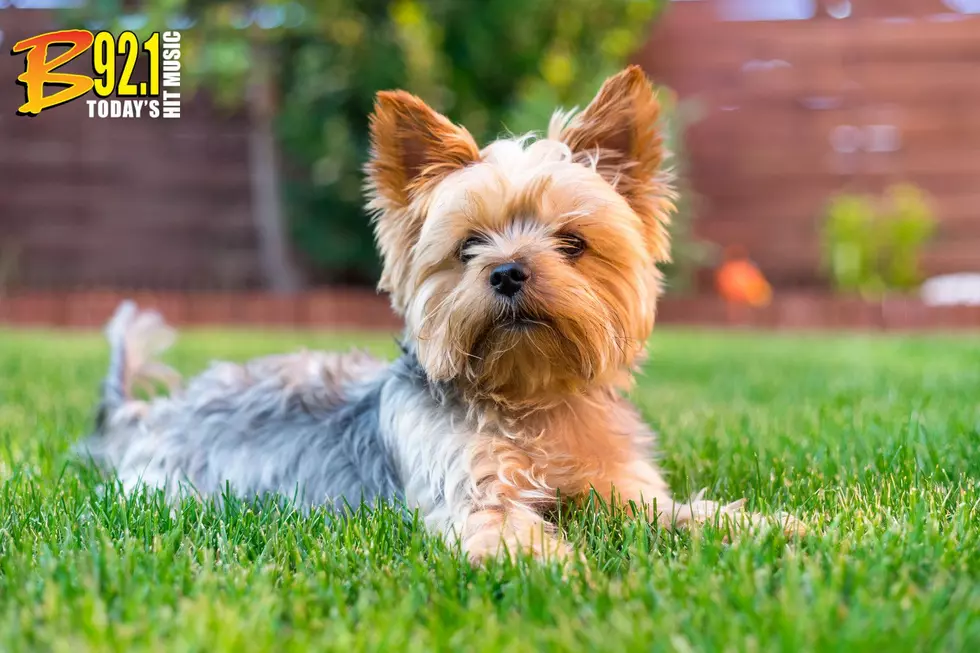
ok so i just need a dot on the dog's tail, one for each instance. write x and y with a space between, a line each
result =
136 339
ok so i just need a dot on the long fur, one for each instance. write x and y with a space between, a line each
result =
498 404
225 431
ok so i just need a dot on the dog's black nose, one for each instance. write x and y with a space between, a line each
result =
508 279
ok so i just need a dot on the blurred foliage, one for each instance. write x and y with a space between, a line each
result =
873 245
688 253
496 66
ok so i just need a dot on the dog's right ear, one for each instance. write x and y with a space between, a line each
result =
618 135
412 146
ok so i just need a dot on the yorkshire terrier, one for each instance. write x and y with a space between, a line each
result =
526 274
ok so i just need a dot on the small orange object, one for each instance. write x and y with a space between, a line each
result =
739 281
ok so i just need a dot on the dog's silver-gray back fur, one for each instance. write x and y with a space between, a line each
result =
305 426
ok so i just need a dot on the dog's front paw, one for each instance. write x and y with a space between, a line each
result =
487 545
734 517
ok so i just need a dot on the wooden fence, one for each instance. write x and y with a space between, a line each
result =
136 203
796 110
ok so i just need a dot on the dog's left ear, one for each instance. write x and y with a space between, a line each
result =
619 133
413 146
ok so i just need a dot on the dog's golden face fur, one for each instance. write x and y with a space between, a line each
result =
525 271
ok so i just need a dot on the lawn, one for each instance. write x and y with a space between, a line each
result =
875 443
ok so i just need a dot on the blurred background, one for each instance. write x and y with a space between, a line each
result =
828 151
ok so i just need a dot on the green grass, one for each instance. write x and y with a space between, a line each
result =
874 442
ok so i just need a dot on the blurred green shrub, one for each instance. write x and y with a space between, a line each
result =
688 252
496 66
873 245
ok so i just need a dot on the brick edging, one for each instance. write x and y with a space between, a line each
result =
822 312
364 310
338 309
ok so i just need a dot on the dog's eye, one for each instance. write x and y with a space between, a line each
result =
465 247
571 246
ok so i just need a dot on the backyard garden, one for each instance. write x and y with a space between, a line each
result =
815 352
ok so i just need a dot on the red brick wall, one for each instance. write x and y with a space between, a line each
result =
762 158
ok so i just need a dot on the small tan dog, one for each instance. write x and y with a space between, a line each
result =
527 276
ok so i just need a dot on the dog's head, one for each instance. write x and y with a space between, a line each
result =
525 270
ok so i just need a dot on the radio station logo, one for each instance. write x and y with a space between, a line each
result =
130 78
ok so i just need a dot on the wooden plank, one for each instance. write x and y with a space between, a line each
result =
952 255
889 8
917 42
